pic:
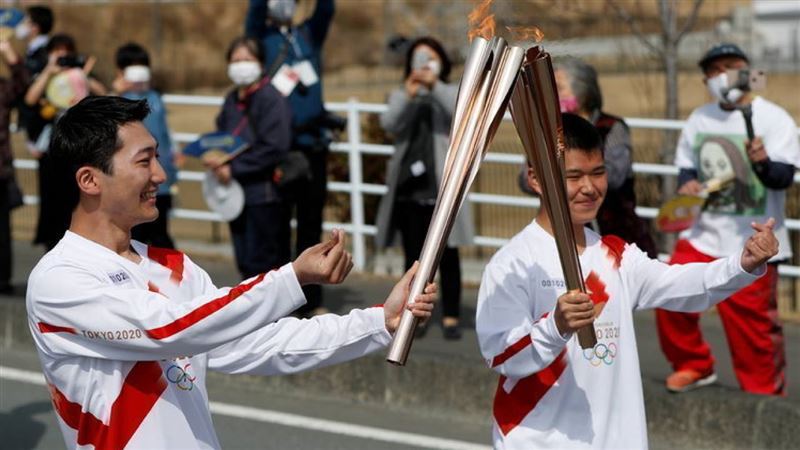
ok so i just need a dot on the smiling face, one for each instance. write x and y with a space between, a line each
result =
587 184
128 194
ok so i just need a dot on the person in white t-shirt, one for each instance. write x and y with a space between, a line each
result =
552 393
126 332
714 144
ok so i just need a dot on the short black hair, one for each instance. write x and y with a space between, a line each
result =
252 44
42 16
132 54
61 40
437 47
88 135
580 134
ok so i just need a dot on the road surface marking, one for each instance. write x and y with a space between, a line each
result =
293 420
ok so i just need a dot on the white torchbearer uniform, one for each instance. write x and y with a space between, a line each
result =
125 347
552 393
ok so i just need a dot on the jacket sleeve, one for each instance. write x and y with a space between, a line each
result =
270 128
292 345
320 21
396 119
445 94
689 287
74 311
618 155
516 338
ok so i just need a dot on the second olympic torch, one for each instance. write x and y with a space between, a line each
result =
536 115
490 72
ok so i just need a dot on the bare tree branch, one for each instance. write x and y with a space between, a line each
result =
623 14
691 20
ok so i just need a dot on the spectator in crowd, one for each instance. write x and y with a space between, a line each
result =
749 316
552 393
579 93
293 61
133 82
11 89
419 117
34 30
127 333
257 112
62 56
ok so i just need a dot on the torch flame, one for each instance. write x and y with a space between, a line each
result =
481 22
526 33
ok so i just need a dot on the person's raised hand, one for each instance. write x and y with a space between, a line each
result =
325 263
756 151
574 310
395 303
761 246
9 55
412 86
691 187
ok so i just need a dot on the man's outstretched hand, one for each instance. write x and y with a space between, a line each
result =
325 263
396 301
760 247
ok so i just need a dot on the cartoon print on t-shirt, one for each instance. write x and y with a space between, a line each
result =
724 155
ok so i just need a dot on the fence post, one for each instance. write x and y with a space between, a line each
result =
356 183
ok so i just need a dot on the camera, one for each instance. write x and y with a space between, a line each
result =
71 61
749 79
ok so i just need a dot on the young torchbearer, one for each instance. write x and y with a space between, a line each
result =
552 393
127 332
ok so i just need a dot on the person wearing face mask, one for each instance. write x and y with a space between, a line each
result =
419 117
579 93
133 82
293 61
34 30
257 112
750 315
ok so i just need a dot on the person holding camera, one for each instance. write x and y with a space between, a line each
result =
419 117
293 61
70 70
714 143
259 114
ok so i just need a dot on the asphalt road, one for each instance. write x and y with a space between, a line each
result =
244 419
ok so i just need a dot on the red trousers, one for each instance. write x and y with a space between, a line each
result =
750 320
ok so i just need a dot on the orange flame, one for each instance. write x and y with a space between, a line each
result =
481 22
526 33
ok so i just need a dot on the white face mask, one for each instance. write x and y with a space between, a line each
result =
719 88
22 30
281 10
244 73
137 74
435 67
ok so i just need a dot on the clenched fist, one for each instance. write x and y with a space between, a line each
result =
574 310
761 246
325 263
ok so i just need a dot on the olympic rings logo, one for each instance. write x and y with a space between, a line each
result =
601 354
181 377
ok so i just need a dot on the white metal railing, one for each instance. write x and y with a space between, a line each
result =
356 188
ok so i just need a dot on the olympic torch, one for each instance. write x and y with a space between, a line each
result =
536 115
490 73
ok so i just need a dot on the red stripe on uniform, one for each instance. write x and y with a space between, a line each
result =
510 408
141 390
47 328
514 348
169 258
202 312
596 287
615 247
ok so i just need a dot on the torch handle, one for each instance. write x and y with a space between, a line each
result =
587 337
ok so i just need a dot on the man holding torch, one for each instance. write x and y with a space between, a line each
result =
552 393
